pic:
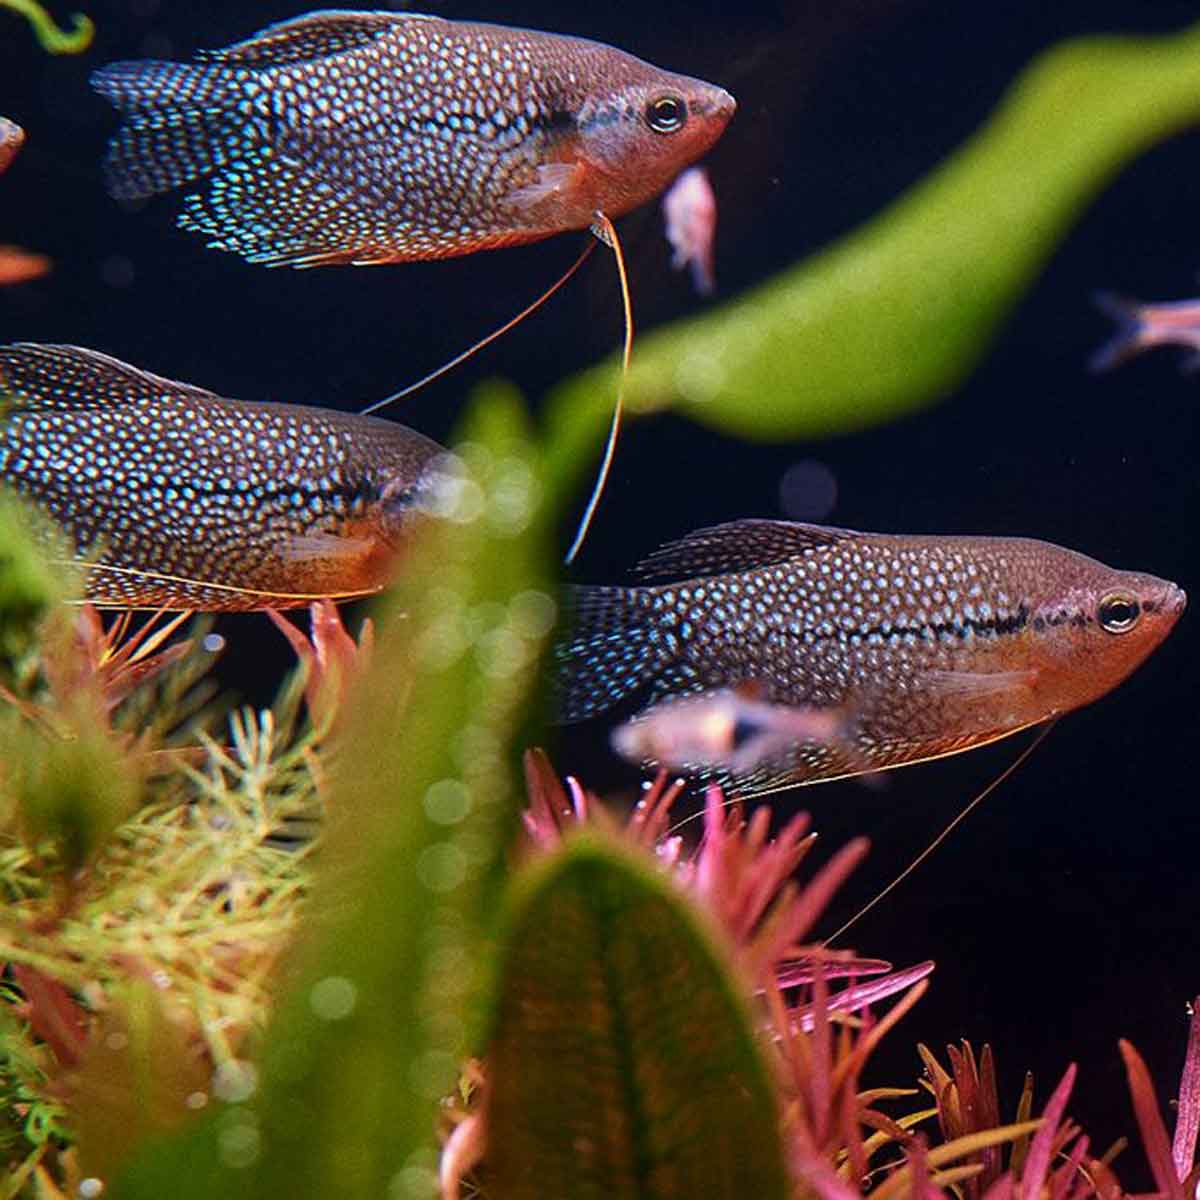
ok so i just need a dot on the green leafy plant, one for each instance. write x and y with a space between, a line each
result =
897 313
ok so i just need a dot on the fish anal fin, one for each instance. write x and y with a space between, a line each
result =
737 546
70 377
314 35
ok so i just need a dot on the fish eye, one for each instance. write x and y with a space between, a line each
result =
1119 612
667 114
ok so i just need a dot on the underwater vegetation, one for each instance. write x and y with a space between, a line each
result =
364 940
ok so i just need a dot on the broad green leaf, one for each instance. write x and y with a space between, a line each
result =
30 586
370 1032
896 314
623 1062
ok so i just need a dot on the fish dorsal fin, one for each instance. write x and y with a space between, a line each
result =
70 377
314 35
737 546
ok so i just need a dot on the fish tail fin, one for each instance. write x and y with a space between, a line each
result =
1127 339
181 124
196 122
614 646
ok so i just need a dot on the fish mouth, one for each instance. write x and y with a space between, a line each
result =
1175 601
716 103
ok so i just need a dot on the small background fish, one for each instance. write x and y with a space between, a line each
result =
690 210
729 731
344 137
1144 326
181 499
935 644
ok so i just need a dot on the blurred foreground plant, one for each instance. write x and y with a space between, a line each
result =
897 313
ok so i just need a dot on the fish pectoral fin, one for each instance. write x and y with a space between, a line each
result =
552 179
987 683
737 546
305 38
326 547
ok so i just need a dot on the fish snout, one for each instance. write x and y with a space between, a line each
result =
1175 600
716 104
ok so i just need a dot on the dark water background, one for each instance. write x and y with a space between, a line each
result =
1063 915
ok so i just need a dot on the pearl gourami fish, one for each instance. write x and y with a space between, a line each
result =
377 137
177 498
933 645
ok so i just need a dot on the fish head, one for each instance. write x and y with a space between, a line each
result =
618 131
405 476
1095 626
640 131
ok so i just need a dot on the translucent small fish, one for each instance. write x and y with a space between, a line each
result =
729 731
935 644
373 137
181 499
690 209
1143 326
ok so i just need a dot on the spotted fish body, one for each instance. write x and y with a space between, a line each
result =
373 137
929 645
177 498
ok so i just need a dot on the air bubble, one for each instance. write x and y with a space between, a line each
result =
234 1082
447 802
533 613
333 998
239 1146
442 867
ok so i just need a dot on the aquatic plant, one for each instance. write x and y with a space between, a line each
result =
201 995
301 951
897 313
53 39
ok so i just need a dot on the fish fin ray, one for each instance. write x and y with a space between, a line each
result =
314 35
70 377
181 124
552 179
975 683
612 649
275 212
1126 341
737 546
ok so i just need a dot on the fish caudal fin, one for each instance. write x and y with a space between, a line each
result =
614 646
181 125
188 123
1128 338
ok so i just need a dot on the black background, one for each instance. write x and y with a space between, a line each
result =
1062 916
